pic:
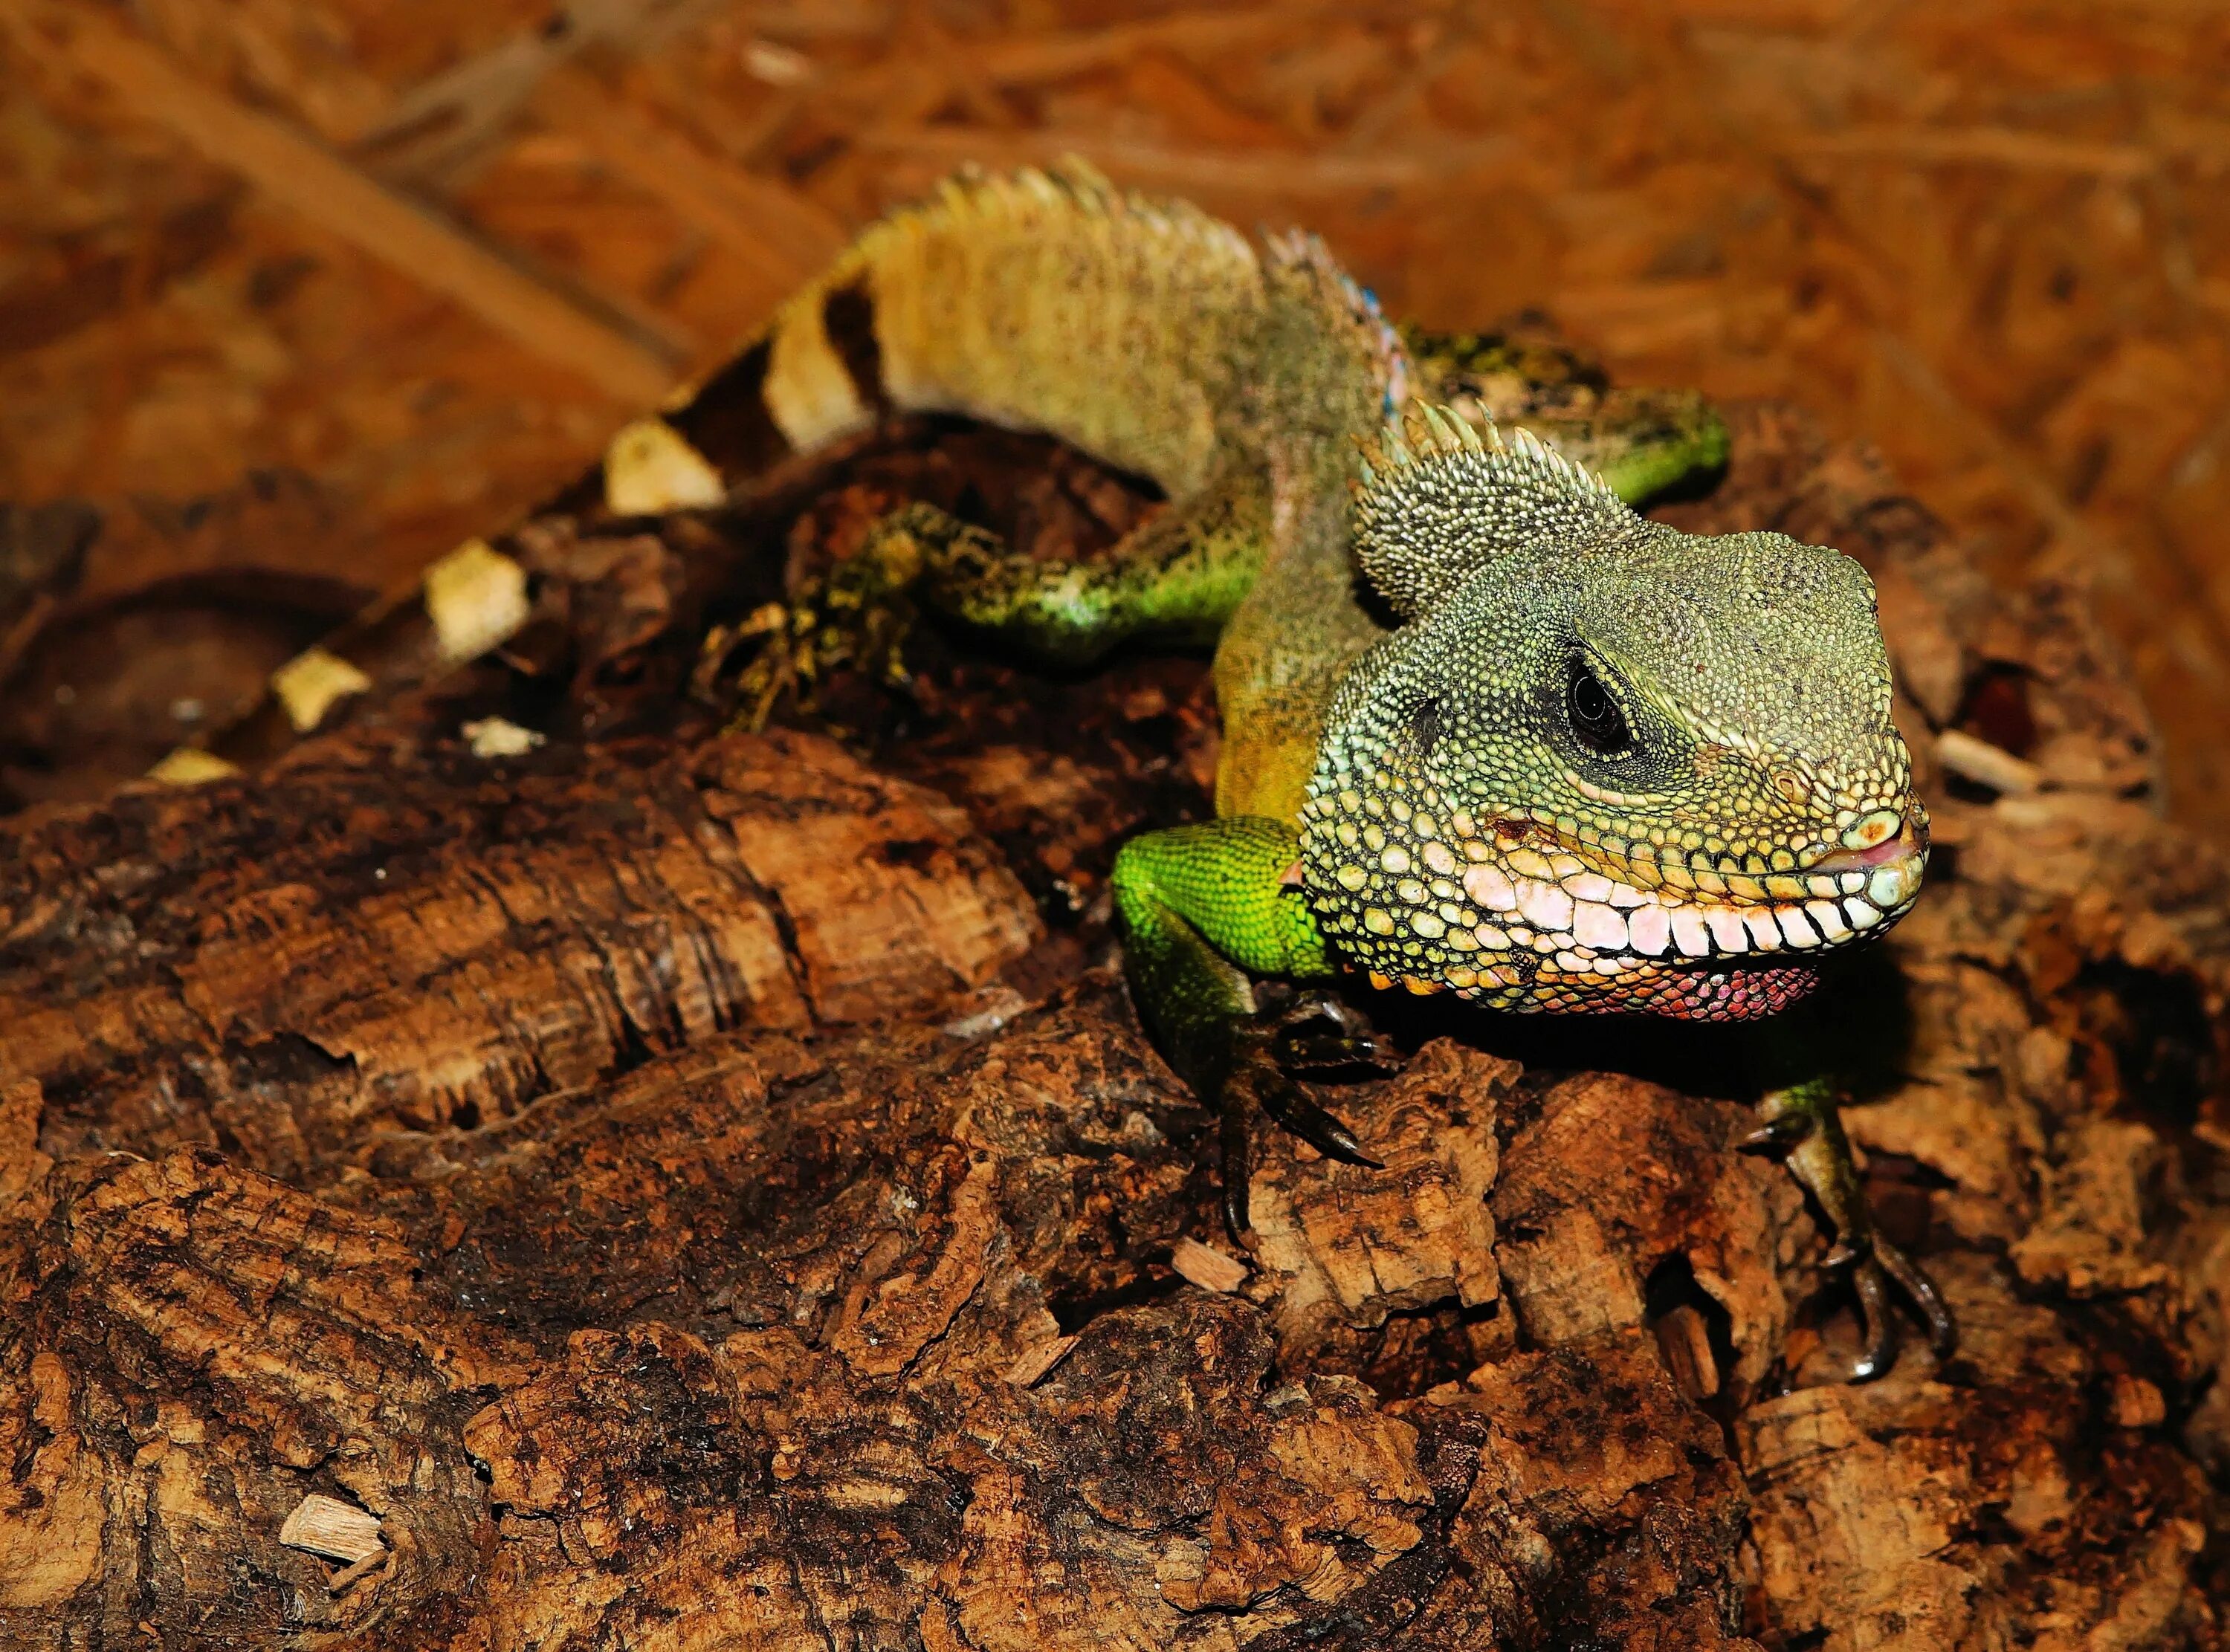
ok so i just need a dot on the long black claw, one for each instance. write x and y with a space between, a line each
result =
1330 1052
1874 1268
1323 1006
1300 1045
1236 1126
1920 1291
1880 1323
1272 1049
1314 1126
1785 1130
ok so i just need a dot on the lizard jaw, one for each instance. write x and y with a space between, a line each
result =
1527 924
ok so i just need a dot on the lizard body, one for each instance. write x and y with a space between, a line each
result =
1486 730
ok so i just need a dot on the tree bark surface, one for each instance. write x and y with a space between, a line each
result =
670 1189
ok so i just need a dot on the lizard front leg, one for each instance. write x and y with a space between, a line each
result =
1804 1119
1203 910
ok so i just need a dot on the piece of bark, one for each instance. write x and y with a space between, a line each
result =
334 950
1864 1510
1351 1247
863 1448
1591 1437
211 1347
1206 1266
711 1191
338 1531
1620 1189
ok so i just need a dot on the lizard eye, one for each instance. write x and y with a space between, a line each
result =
1595 717
1425 727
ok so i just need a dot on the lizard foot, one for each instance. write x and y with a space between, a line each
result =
855 617
1272 1050
1316 1035
1804 1122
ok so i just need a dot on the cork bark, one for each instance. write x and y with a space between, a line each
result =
673 1189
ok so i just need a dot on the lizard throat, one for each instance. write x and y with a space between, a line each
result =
1425 899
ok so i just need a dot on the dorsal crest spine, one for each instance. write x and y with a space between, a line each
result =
1437 496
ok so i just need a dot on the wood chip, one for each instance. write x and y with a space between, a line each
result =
1686 1342
2137 1403
338 1531
1033 1362
1986 764
348 1577
1207 1267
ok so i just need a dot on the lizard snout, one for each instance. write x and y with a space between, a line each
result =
1888 848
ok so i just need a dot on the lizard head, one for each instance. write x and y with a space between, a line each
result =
1603 765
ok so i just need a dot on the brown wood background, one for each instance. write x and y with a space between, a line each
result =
644 1186
323 286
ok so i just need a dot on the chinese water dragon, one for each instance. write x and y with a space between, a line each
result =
1486 731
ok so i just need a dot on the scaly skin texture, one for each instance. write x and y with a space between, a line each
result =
1485 730
1752 801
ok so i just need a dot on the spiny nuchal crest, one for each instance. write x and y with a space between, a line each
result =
1602 764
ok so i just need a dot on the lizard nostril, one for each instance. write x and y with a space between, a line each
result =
1876 828
1792 786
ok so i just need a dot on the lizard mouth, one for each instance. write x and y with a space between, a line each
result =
1535 923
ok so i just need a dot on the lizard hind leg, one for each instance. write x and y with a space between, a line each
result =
1644 442
1175 578
856 616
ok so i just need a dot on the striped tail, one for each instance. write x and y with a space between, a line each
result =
1042 301
1046 302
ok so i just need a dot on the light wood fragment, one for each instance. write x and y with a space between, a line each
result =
1207 1267
1031 1365
348 1577
1986 764
1686 1342
338 1531
2137 1403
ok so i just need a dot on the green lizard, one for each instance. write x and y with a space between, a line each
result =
1485 730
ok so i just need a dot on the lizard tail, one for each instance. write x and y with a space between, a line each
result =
1046 301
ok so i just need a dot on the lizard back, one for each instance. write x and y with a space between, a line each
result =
1153 336
1145 332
